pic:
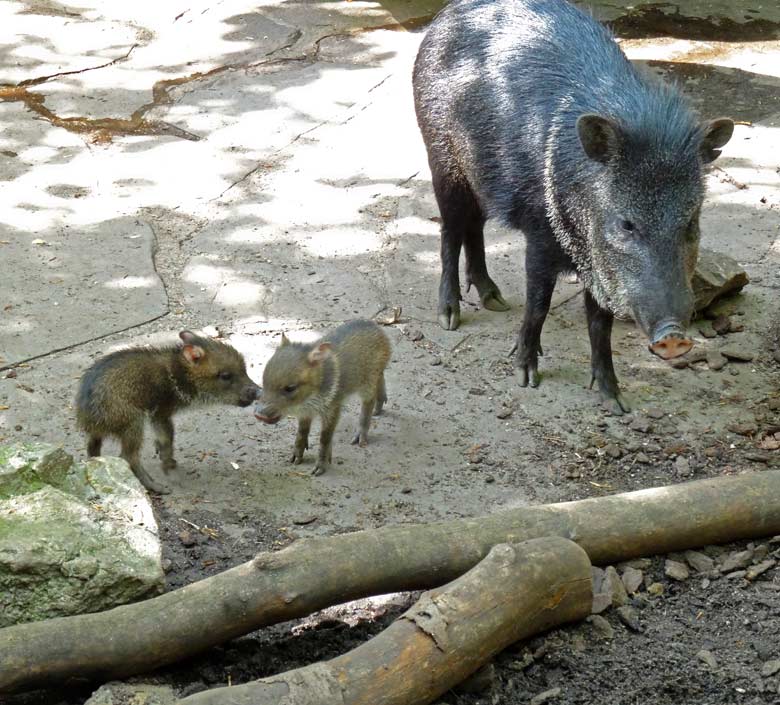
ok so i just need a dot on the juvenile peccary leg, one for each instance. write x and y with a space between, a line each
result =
329 422
163 443
381 395
361 437
539 290
474 246
301 440
132 439
602 371
94 445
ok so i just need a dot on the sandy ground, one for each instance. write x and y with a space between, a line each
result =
256 168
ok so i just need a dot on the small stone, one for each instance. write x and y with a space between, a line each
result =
716 361
655 589
641 425
11 374
489 479
737 560
628 615
167 564
505 413
636 563
722 324
707 657
406 490
757 457
601 602
736 327
755 570
734 353
676 570
597 578
590 452
632 580
773 404
716 274
601 626
304 519
699 562
743 429
416 335
613 585
613 451
642 458
477 391
655 413
436 362
186 538
736 575
682 466
765 649
545 697
770 668
706 329
679 363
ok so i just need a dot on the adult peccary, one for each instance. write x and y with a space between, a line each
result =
532 114
121 390
314 379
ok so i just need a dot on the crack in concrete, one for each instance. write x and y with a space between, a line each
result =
43 79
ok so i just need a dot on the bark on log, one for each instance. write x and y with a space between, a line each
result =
515 592
315 573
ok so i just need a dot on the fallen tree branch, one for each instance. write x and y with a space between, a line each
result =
318 572
515 592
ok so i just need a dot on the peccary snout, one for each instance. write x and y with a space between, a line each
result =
669 340
249 394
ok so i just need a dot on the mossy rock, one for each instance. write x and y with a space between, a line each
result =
74 537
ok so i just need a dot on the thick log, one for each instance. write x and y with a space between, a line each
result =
515 592
319 572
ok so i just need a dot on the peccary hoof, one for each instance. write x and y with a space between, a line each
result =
449 317
494 302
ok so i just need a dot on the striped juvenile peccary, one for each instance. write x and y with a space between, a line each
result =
124 388
313 379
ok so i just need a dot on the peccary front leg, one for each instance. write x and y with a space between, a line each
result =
301 440
539 290
602 370
329 421
163 442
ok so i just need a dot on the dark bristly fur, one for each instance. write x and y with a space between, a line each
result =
531 114
121 390
314 379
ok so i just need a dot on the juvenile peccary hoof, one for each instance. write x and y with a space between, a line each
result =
358 441
320 468
529 376
493 301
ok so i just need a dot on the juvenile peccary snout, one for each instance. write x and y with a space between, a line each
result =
532 115
314 379
122 389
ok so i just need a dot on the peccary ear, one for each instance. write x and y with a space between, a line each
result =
193 353
320 353
284 341
188 337
716 134
599 136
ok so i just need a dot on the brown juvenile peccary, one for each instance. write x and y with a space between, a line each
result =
313 379
120 390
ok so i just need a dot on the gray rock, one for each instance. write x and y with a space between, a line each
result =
545 697
716 275
628 615
755 570
642 458
614 587
732 352
597 576
699 562
676 570
737 560
601 602
76 537
632 580
716 361
770 668
601 626
641 425
707 658
116 693
682 466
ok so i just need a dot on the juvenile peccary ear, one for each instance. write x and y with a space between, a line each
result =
192 352
284 341
320 353
716 134
599 136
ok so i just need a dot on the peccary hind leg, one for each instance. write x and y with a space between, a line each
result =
462 225
602 371
132 439
329 421
163 442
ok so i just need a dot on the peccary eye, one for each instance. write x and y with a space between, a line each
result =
225 376
290 388
627 226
